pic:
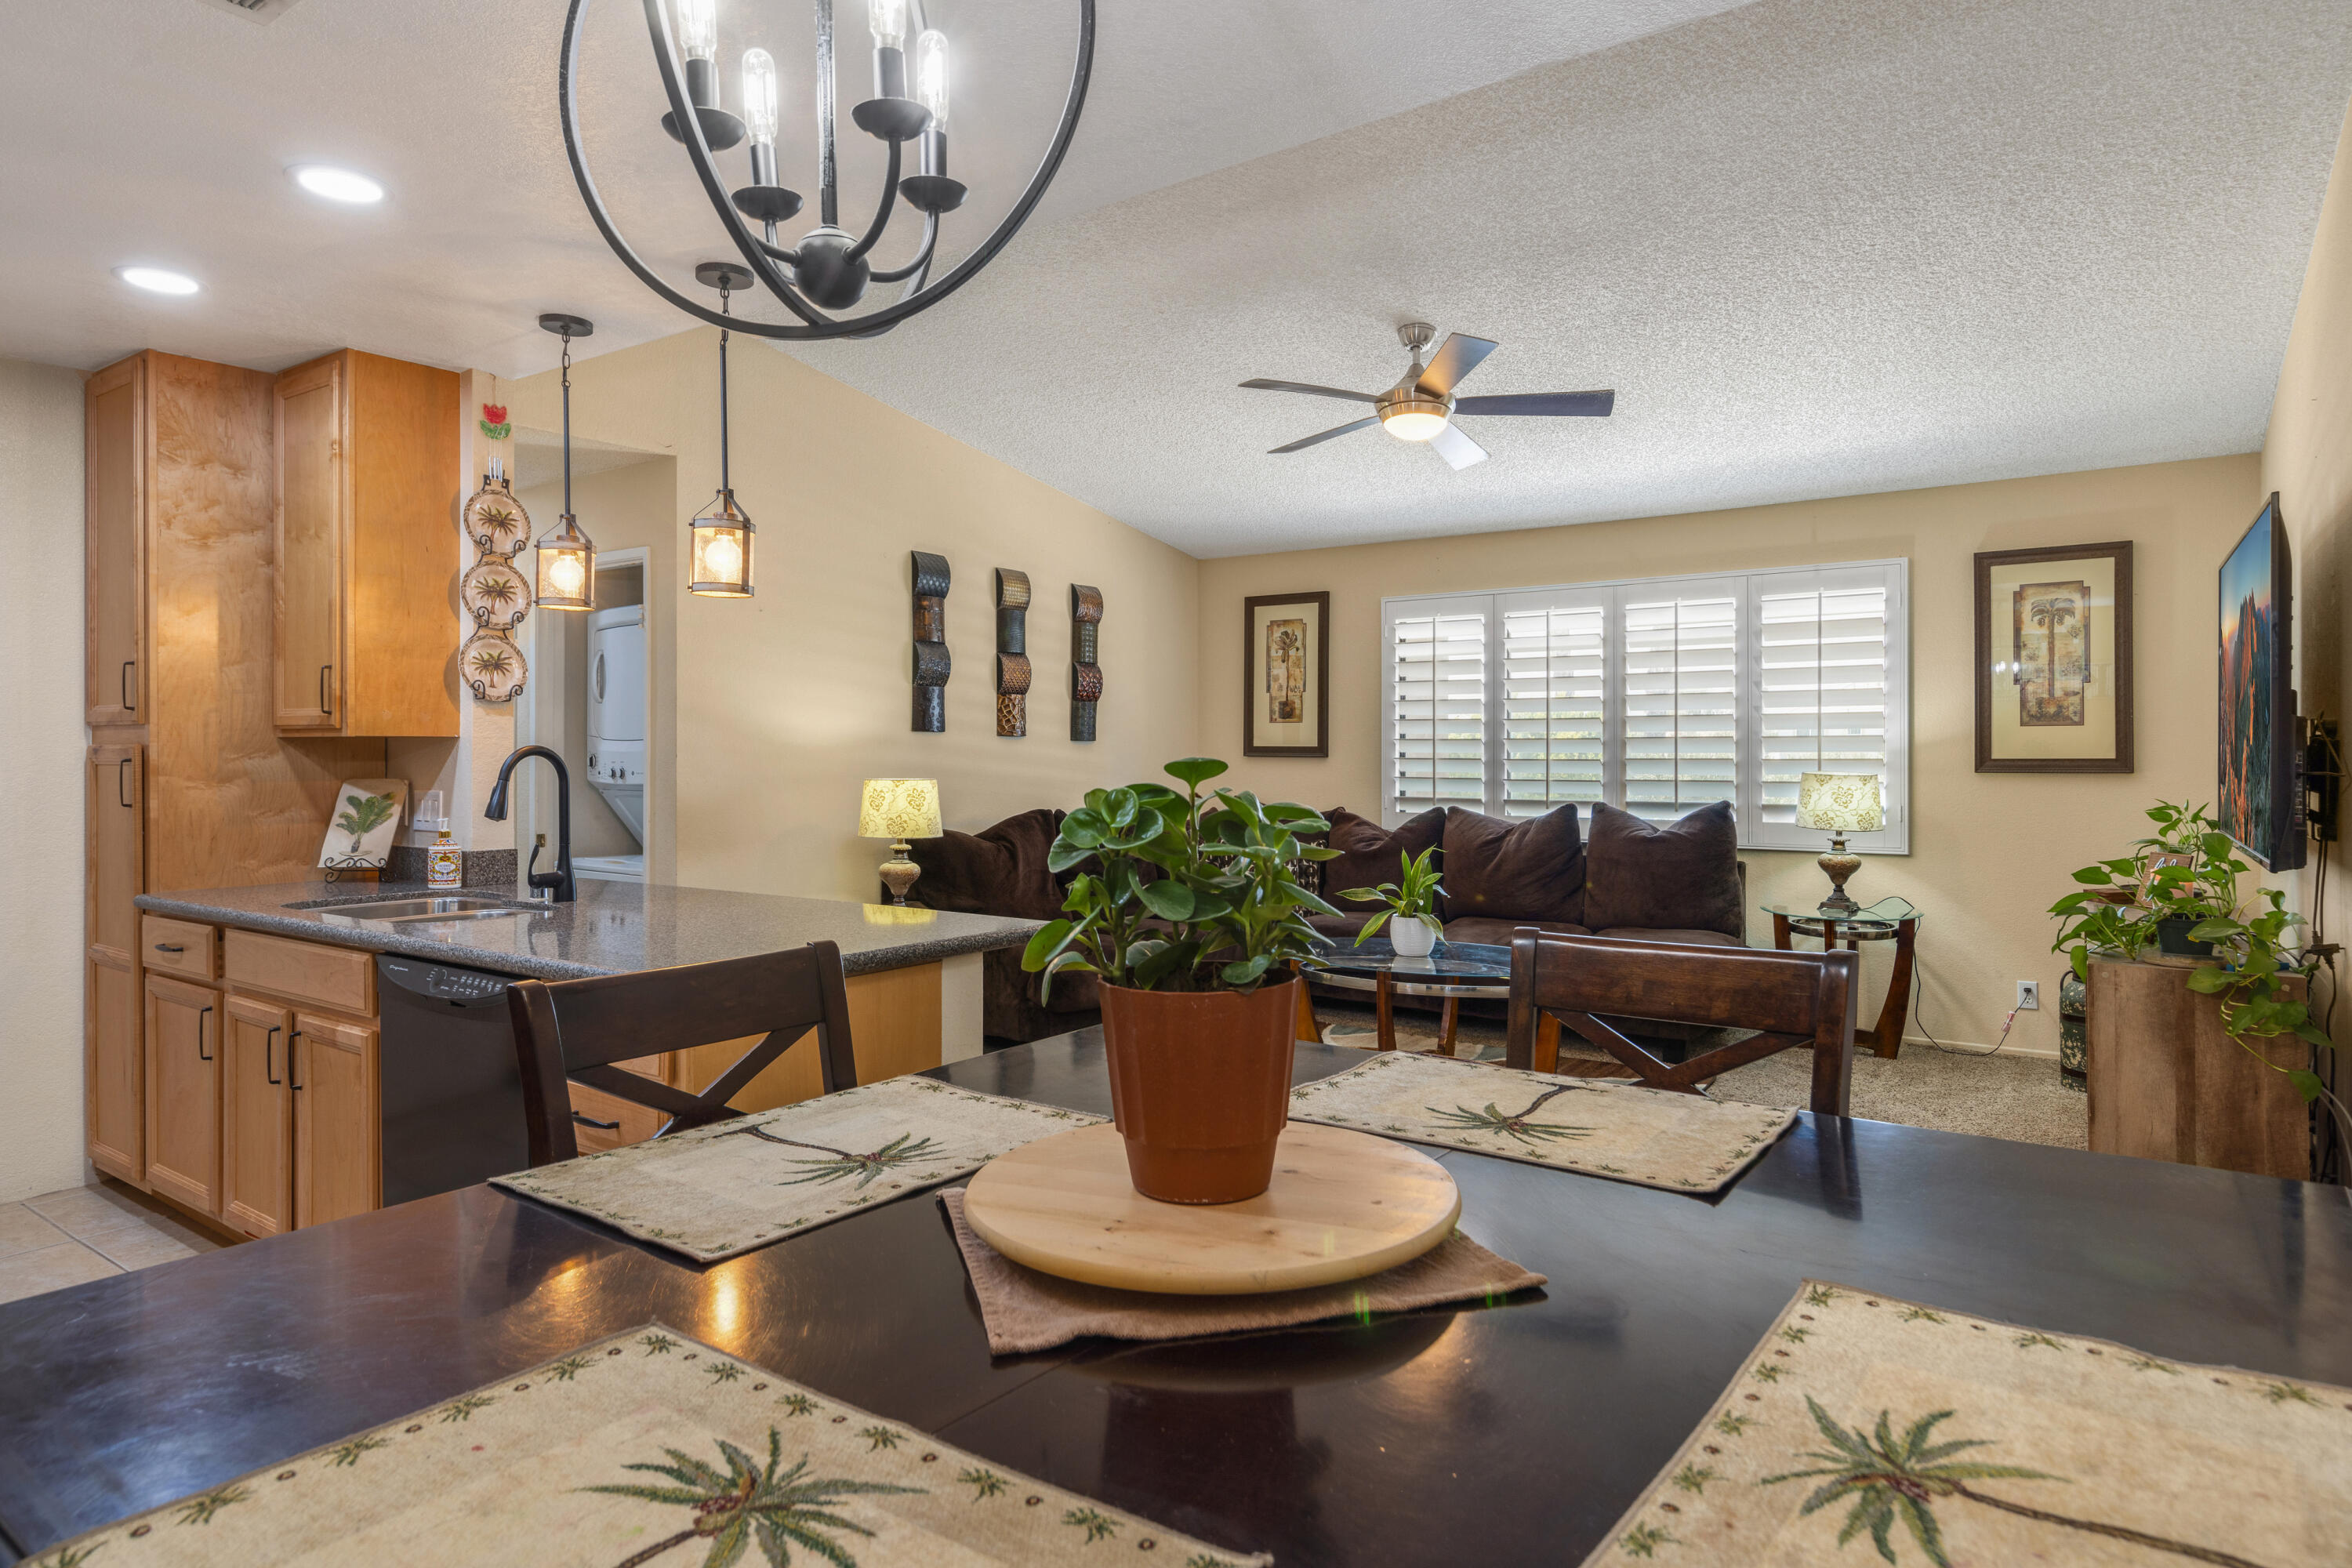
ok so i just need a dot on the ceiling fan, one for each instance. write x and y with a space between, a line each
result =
1420 406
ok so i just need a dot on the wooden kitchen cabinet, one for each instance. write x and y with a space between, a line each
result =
338 1126
257 1117
114 545
113 1068
367 456
183 1092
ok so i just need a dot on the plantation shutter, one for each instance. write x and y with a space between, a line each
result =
1555 702
1437 707
1682 701
1824 702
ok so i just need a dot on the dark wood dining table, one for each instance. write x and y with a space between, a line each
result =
1505 1434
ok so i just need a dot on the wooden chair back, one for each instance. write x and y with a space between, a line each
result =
576 1029
1795 1001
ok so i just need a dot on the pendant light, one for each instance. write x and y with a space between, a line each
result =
567 557
721 531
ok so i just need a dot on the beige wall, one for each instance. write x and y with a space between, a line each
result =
1990 852
2308 459
783 703
40 787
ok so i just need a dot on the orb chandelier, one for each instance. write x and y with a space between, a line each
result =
828 269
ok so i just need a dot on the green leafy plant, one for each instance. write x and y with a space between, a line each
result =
751 1503
1188 893
2187 871
1413 897
363 813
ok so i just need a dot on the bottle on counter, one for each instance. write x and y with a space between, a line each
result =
445 863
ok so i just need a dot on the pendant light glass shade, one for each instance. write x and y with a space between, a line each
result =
567 568
722 549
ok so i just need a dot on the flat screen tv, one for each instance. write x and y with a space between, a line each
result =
2260 798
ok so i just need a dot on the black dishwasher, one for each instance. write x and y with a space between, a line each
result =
452 1093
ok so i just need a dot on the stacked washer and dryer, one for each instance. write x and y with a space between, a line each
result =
616 733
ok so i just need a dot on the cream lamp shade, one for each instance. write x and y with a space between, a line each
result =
899 809
1839 802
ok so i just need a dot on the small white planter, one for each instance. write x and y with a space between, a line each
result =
1410 936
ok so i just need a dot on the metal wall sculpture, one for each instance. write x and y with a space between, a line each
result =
1012 651
930 642
1086 674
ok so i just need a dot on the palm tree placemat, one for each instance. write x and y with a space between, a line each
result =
1595 1127
648 1448
717 1192
1867 1429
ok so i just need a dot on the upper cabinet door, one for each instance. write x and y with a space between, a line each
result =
309 541
114 446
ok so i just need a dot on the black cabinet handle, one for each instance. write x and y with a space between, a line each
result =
270 1054
592 1121
169 947
326 701
200 1035
289 1060
122 783
129 704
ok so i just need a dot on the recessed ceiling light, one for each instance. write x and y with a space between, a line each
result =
156 281
337 184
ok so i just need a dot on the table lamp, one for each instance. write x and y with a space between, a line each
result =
899 809
1840 804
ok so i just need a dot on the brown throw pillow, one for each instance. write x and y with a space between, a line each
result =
1681 876
1369 853
1000 870
1500 869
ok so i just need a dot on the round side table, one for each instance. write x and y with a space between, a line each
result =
1889 920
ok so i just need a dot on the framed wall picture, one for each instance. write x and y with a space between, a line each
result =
1285 660
2054 650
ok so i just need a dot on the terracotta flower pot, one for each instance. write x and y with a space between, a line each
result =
1200 1087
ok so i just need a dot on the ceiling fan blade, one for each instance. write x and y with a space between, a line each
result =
1456 357
1554 404
1458 451
1325 435
1264 385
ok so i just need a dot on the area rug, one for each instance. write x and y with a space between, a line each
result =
646 1449
718 1192
1654 1137
1866 1429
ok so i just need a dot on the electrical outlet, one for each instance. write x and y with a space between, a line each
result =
2028 995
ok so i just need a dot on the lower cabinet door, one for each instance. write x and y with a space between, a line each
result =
338 1150
115 1071
257 1118
185 1030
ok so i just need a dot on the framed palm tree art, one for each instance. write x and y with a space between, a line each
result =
2053 659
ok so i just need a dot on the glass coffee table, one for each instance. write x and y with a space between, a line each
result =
1889 920
1455 970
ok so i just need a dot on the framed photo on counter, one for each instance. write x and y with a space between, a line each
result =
1286 657
2054 650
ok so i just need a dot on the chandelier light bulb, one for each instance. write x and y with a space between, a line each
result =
889 20
697 29
725 559
565 573
931 74
760 96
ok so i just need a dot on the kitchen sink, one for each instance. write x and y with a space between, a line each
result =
454 907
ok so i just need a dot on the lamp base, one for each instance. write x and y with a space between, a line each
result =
898 873
1840 865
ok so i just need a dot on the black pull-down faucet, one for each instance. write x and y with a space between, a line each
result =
558 882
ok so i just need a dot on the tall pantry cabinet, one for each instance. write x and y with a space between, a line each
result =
188 783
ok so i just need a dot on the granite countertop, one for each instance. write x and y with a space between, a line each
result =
615 928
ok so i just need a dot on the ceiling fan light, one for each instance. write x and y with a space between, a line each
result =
1415 422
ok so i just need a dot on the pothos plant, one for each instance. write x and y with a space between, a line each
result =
1412 898
2187 871
1188 893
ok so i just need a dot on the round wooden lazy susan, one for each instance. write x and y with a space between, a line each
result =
1343 1205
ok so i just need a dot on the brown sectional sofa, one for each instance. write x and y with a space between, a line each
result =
1682 882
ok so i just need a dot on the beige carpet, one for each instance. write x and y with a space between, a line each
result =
2017 1097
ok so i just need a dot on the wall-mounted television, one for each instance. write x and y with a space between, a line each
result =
2260 799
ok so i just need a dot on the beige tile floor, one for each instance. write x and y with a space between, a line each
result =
87 1233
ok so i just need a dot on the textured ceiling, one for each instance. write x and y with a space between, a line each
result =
157 131
1819 248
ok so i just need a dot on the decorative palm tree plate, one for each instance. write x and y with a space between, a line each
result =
495 593
1869 1430
728 1189
1343 1205
492 667
646 1449
1596 1127
495 521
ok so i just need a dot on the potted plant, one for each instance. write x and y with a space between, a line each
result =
1188 909
1411 913
2177 891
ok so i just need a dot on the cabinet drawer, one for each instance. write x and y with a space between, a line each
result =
336 977
179 947
634 1123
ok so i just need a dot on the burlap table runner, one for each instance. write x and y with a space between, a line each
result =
1024 1309
1866 1429
1596 1127
646 1449
719 1191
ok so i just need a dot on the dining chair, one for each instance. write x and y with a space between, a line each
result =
574 1030
1793 1001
